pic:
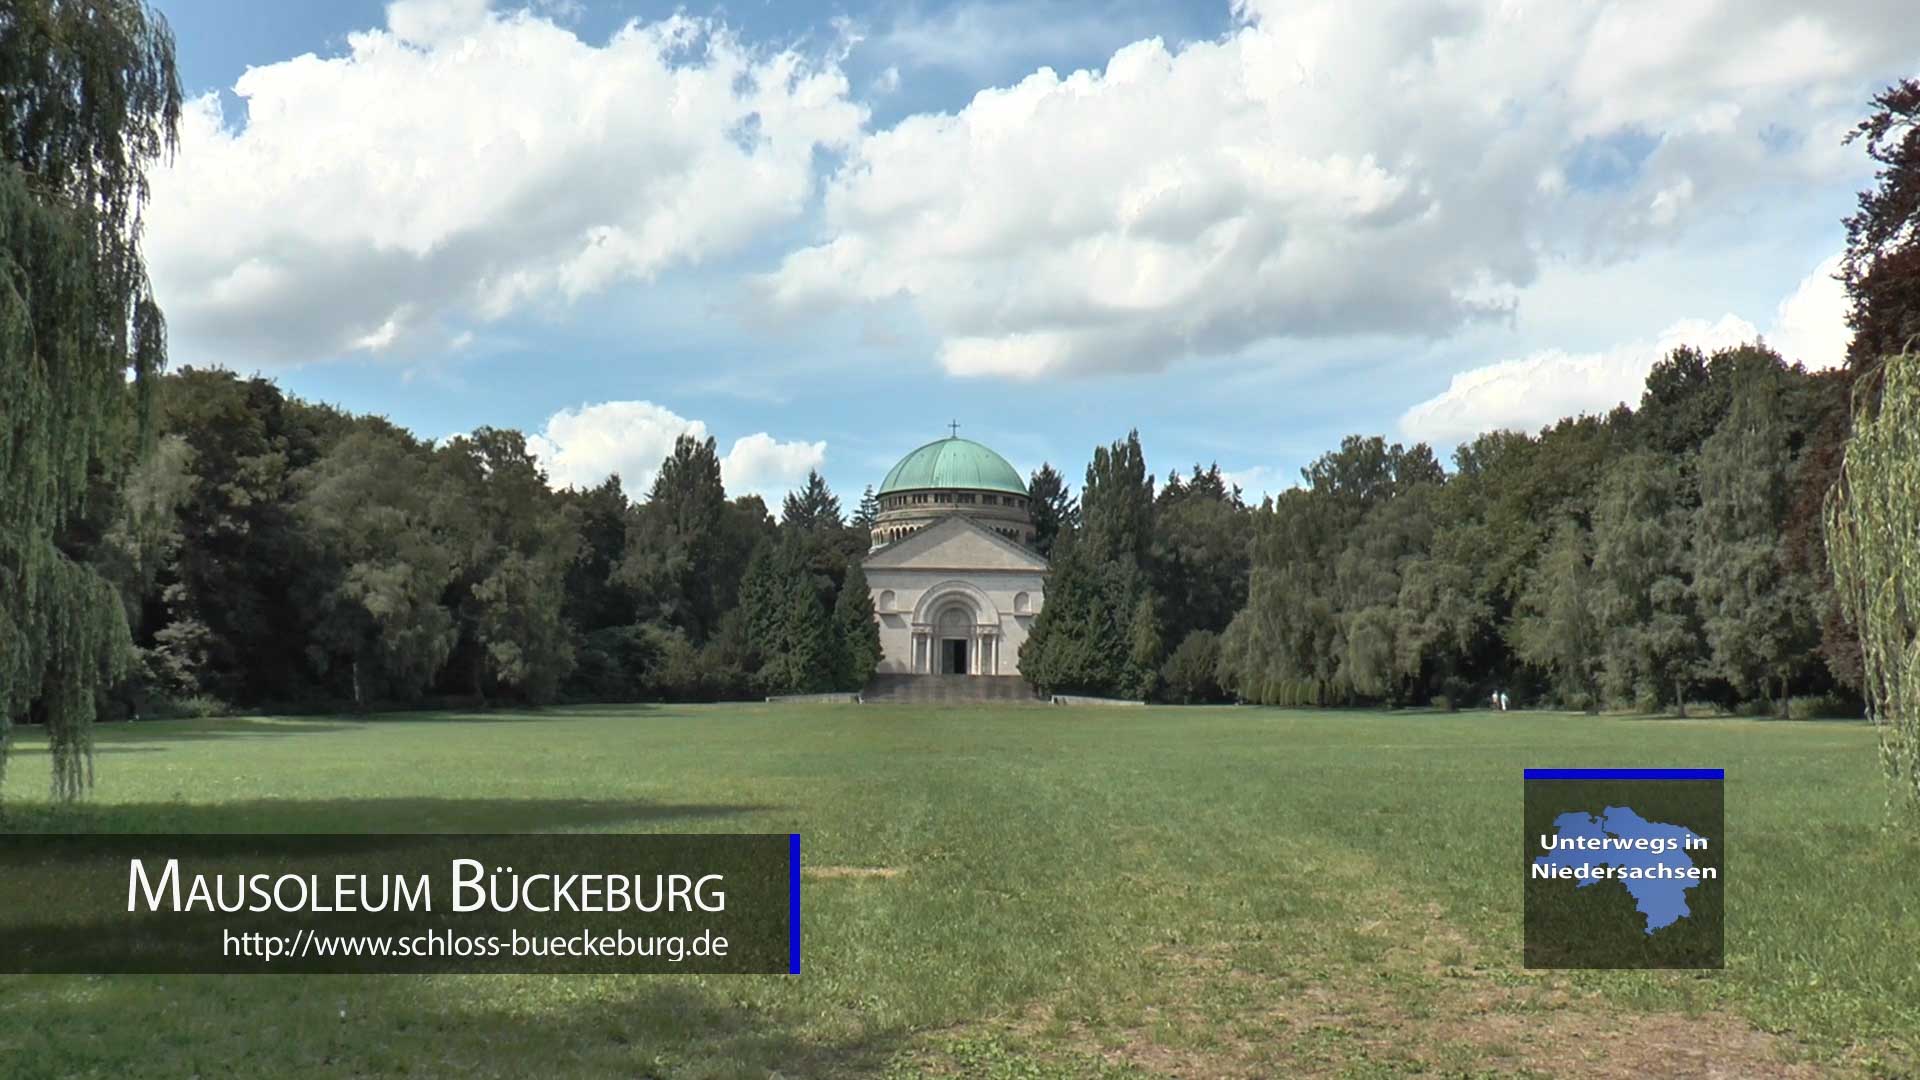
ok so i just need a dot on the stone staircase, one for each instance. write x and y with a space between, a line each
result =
949 690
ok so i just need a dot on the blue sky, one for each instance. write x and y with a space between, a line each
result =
820 232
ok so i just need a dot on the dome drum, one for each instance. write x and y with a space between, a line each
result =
952 476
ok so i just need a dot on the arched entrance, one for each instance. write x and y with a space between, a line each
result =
956 631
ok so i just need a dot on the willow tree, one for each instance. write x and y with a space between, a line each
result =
88 100
1873 542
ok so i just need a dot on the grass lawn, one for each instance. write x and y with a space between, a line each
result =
1032 893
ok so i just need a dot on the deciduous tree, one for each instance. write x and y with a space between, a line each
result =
89 100
1881 268
1654 646
1554 626
1760 616
375 509
1873 535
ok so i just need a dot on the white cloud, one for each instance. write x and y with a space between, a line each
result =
1527 393
428 22
1256 482
581 447
1331 168
982 37
760 463
1537 389
464 163
1810 326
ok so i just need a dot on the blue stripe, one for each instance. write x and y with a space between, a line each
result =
1626 774
793 903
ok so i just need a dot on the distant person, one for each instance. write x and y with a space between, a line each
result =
1503 701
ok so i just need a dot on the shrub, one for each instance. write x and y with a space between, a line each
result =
617 663
192 707
1190 672
1825 707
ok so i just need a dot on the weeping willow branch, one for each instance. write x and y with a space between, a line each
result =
89 97
1873 543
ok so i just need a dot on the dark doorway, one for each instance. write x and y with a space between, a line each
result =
953 657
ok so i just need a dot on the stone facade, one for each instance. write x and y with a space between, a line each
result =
955 596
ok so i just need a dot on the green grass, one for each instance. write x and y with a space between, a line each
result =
1081 892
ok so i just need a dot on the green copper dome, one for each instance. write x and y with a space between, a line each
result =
953 463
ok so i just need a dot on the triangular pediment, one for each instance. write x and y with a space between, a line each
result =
955 543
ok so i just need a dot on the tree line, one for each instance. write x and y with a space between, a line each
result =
1645 558
273 552
190 541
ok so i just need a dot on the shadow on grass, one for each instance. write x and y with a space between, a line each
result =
664 1028
269 725
109 737
98 751
527 714
369 815
505 1026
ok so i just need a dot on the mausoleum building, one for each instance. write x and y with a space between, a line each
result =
956 582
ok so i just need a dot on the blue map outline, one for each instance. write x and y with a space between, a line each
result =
1662 900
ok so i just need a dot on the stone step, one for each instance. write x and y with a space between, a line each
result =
948 690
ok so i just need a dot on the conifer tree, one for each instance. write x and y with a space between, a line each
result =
856 633
1083 638
1054 510
763 597
1145 649
867 514
813 508
804 662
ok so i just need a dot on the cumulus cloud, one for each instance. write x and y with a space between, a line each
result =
582 447
1527 393
1329 168
981 37
462 163
1810 326
1537 389
1256 482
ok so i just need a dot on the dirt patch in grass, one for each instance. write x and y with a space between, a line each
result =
1362 1027
1586 1041
831 872
1426 1002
